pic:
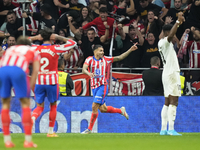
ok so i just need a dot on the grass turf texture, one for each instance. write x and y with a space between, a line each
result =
110 141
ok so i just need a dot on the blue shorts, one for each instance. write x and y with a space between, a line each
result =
51 91
13 76
99 94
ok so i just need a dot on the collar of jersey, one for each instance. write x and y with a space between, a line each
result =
96 59
46 44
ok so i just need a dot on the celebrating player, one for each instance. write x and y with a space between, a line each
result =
14 69
47 80
170 77
97 66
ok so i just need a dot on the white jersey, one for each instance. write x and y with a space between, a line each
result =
169 57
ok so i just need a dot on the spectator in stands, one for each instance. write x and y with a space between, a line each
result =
5 6
14 25
65 81
153 79
10 42
72 6
120 8
62 32
94 7
146 6
85 14
103 16
158 2
55 6
150 49
193 17
173 13
88 39
152 24
130 38
44 18
73 59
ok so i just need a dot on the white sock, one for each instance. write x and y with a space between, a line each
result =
28 138
7 138
50 130
164 118
33 118
171 116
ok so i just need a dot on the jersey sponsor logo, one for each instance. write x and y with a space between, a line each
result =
98 97
47 72
98 76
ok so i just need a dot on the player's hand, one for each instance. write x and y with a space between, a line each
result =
134 47
181 17
39 37
92 75
53 37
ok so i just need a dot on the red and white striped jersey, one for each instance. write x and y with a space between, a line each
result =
194 52
48 73
32 8
20 56
73 60
100 68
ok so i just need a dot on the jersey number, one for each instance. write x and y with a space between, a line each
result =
46 63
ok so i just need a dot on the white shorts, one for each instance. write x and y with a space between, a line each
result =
171 84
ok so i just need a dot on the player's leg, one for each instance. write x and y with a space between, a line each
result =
27 122
53 96
40 94
172 114
164 118
95 107
5 92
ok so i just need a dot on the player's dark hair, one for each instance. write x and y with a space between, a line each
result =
60 62
46 34
154 60
167 27
94 47
23 41
103 10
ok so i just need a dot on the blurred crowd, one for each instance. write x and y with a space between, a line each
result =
91 22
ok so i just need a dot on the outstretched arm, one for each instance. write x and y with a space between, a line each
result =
125 54
180 20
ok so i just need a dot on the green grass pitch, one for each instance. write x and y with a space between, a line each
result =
110 141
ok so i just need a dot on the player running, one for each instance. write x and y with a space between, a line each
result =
170 77
14 69
47 80
97 67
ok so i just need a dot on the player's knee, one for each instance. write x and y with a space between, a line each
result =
25 102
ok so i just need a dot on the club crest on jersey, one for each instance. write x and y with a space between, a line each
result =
97 71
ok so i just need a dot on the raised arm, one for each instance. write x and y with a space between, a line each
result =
104 37
139 34
131 10
195 32
121 31
125 54
180 20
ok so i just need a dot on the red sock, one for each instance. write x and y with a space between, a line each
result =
92 121
111 109
37 112
5 119
26 120
52 115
